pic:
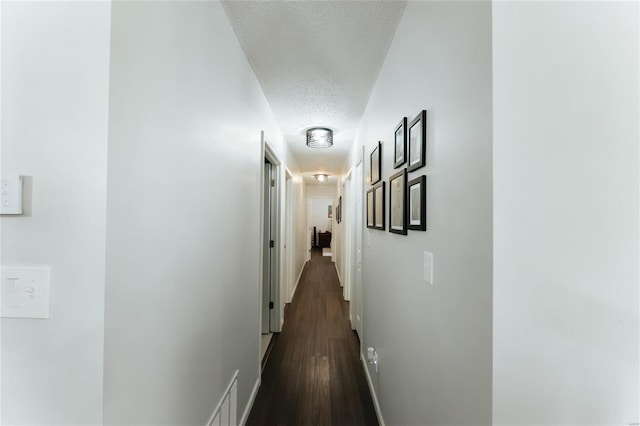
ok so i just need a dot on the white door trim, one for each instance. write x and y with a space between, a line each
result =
267 152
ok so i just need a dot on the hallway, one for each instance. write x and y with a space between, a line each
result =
476 164
313 374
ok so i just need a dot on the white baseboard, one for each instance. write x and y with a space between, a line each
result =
252 398
338 273
374 396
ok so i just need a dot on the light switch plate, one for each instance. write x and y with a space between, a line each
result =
11 194
428 267
26 292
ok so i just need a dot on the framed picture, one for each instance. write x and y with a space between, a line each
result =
370 210
339 213
398 202
376 157
400 153
417 141
417 193
378 206
330 211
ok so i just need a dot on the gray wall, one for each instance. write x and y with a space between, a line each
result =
299 232
566 108
55 89
182 252
434 342
169 99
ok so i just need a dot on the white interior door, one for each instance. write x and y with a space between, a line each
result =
267 254
288 255
359 228
347 224
272 238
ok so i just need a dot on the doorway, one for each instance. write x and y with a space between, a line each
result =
270 248
319 225
269 265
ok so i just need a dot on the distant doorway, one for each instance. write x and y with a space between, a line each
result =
319 223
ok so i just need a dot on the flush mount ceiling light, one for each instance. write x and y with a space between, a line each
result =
321 177
319 137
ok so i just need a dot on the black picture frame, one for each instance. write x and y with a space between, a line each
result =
400 144
417 142
375 163
417 203
370 209
398 202
339 213
379 206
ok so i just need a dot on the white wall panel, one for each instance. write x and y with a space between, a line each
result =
183 230
566 108
55 89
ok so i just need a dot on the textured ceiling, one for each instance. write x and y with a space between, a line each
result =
317 62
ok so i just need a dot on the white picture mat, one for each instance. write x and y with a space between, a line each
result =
415 145
379 203
396 195
399 143
414 204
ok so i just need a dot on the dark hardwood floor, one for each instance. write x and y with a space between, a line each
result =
314 375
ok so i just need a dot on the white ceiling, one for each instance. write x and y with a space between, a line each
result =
310 180
317 62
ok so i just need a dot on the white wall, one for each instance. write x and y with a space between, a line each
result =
434 342
566 213
319 214
319 197
55 75
321 191
183 213
300 249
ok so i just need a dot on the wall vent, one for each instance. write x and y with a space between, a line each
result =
226 413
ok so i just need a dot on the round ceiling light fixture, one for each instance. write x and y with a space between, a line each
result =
321 177
319 137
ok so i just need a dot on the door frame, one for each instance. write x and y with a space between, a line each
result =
268 255
267 152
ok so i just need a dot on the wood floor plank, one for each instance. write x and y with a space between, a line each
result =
313 375
345 401
314 403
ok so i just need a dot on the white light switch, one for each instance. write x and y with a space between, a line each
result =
11 194
26 292
428 267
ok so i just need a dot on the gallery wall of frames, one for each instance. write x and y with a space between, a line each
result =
407 188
